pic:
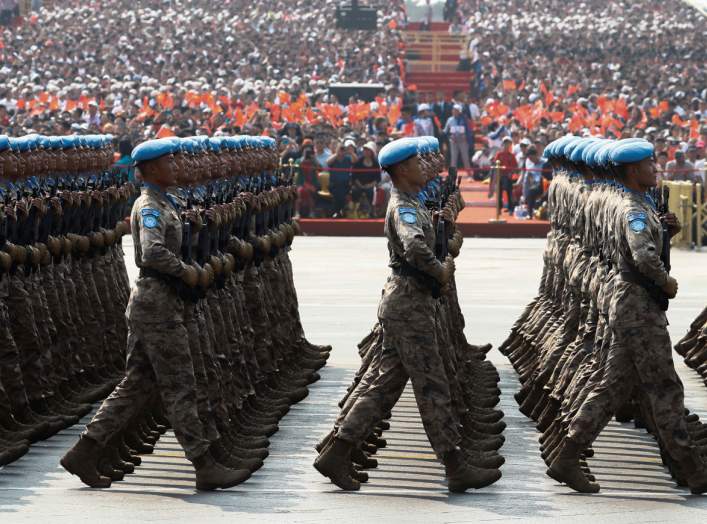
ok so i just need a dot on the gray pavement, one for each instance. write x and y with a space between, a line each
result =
339 282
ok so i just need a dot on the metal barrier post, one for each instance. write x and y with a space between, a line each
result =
499 197
698 212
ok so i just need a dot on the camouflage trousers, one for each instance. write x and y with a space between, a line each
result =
409 352
158 361
640 358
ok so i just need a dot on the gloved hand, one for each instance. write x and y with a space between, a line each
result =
448 269
671 287
55 246
190 276
216 264
5 262
229 264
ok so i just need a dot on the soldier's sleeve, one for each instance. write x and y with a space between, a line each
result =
641 242
415 249
152 229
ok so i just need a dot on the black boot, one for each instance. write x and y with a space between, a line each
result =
211 475
82 460
335 463
565 469
462 476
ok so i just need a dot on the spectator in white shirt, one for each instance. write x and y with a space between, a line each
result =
531 179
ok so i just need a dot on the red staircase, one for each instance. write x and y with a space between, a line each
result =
432 58
447 83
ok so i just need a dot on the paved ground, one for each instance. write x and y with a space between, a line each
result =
339 282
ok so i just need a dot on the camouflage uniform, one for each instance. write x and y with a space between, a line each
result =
640 353
158 344
410 347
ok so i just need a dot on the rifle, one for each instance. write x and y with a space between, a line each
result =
447 189
664 209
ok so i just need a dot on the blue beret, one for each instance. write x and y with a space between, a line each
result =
268 142
397 151
601 157
153 149
55 142
578 152
555 146
4 142
630 151
213 144
428 144
566 149
23 143
590 151
68 142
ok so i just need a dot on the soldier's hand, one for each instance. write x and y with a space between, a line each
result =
671 287
448 269
448 215
190 276
5 262
674 226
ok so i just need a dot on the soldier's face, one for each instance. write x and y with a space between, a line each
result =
161 171
409 173
644 173
9 165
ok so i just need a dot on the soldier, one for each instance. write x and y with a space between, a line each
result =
580 363
410 347
158 353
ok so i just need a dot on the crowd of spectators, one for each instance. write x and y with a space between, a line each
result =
540 69
543 68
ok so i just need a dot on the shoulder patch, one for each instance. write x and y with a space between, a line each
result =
637 225
408 214
149 211
149 221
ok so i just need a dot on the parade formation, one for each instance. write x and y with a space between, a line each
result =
214 348
594 344
208 342
420 337
63 286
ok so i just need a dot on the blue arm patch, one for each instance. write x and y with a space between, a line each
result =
637 225
149 221
408 214
636 221
150 211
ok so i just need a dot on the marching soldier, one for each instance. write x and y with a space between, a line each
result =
406 345
581 364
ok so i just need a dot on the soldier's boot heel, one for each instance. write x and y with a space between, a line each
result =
363 460
462 476
117 462
625 413
211 475
335 464
697 482
82 461
566 469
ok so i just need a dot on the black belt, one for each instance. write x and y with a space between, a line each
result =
426 281
655 292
